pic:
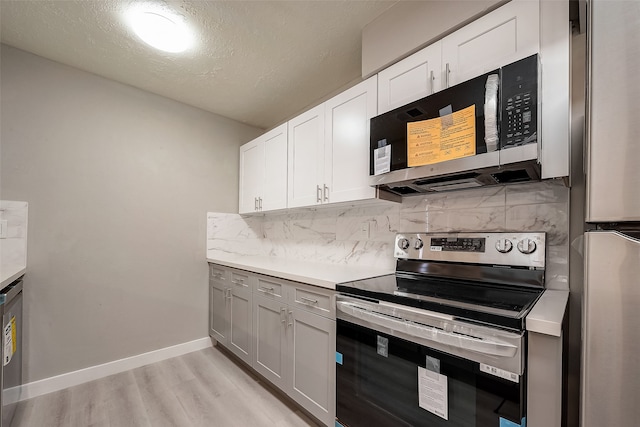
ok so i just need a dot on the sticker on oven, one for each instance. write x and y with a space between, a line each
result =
436 248
513 377
433 392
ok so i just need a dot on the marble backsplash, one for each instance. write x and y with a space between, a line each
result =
364 234
13 249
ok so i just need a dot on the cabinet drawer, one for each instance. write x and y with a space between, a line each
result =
217 273
271 288
315 300
239 279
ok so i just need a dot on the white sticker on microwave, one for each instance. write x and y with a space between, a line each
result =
382 160
433 392
511 376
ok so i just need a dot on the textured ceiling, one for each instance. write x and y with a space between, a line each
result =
257 62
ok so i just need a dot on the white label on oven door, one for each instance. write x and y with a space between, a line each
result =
432 392
382 160
500 373
436 248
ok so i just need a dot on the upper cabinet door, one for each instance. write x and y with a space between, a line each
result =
346 170
414 77
274 193
251 175
505 35
306 158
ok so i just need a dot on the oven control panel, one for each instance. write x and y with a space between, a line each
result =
509 249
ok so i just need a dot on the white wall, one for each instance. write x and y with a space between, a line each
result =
118 183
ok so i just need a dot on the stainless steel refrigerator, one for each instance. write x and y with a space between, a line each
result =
611 310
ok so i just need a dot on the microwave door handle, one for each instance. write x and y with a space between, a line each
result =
463 342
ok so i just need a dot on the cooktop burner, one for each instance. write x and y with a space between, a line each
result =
472 276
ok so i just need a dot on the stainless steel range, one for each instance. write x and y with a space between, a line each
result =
442 341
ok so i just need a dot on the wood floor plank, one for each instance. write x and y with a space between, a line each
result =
161 404
206 388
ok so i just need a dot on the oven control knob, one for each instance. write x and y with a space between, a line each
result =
403 244
527 246
504 245
418 244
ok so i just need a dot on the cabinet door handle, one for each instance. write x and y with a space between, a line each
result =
432 81
260 203
318 194
228 292
255 203
447 72
326 193
308 300
283 316
290 318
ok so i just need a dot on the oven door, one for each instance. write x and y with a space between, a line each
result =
388 373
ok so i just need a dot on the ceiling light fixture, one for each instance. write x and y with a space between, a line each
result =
160 28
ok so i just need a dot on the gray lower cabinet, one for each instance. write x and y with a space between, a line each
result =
312 354
291 339
231 311
270 331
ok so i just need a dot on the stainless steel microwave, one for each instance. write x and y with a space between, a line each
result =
483 131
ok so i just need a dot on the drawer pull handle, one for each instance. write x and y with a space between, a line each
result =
290 318
238 281
283 315
308 300
266 290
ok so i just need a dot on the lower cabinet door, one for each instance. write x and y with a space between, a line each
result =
241 328
218 312
270 319
312 348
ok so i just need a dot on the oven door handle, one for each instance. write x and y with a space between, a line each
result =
480 344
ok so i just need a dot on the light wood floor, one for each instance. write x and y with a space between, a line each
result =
203 388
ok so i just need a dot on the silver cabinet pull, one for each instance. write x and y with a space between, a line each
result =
432 80
283 316
238 281
326 193
447 72
218 276
228 292
260 203
290 318
308 300
255 203
266 290
318 194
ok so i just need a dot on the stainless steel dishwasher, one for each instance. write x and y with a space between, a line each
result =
11 372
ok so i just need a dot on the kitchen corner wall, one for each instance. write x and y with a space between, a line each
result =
117 181
334 234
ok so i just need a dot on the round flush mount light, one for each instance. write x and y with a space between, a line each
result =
160 28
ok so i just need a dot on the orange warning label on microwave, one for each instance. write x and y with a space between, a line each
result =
444 138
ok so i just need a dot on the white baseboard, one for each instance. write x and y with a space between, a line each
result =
70 379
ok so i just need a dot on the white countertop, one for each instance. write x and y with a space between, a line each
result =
547 314
11 273
318 274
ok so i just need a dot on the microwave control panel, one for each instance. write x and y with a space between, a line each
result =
519 103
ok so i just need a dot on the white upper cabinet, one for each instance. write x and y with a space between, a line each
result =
263 172
306 161
346 164
505 35
414 77
329 149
